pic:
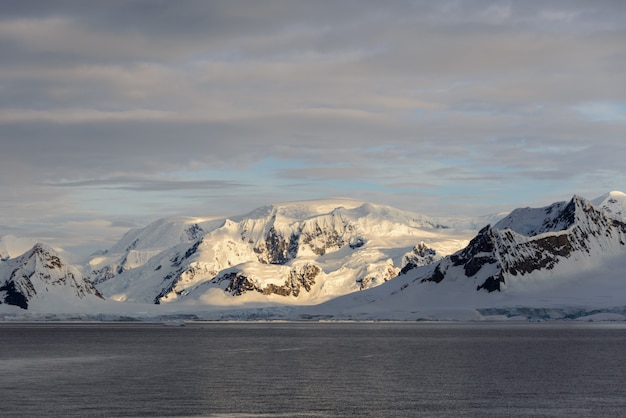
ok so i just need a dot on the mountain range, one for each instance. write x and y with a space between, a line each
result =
341 259
301 252
41 275
568 257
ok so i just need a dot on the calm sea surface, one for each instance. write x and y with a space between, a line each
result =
313 369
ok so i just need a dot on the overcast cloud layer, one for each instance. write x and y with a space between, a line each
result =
115 113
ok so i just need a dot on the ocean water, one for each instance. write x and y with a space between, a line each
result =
313 370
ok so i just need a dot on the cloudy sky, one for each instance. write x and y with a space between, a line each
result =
115 113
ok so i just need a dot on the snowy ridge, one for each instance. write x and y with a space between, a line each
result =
613 202
39 274
137 246
572 236
304 251
342 260
566 254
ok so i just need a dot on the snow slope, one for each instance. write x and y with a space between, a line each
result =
564 255
613 202
40 275
565 260
300 252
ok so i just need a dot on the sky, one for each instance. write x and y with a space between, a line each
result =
117 113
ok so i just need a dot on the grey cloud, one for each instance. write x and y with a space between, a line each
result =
124 224
325 173
148 185
126 95
68 151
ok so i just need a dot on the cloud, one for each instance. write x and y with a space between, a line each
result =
226 105
323 173
603 111
147 184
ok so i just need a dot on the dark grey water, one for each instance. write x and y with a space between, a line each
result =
311 369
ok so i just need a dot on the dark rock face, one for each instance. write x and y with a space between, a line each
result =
14 296
357 242
539 254
239 284
194 232
103 274
276 249
41 266
171 280
477 253
299 277
179 258
437 275
320 240
279 249
497 254
492 283
421 255
302 277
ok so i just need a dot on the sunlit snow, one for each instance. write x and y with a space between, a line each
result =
359 249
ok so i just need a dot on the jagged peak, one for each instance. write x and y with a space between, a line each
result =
555 217
41 249
41 256
41 273
524 243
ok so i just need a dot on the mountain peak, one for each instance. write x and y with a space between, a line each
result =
613 202
350 244
39 273
524 244
42 249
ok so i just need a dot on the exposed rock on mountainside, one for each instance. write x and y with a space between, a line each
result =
300 277
561 261
534 240
305 253
421 255
613 203
307 250
41 273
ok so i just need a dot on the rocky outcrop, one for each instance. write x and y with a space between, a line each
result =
421 255
329 232
276 248
38 273
299 278
378 276
263 252
522 244
317 236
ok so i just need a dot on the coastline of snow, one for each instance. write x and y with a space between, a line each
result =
561 262
121 312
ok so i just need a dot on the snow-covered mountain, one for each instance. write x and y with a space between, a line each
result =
564 236
571 253
336 259
301 252
613 202
40 275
